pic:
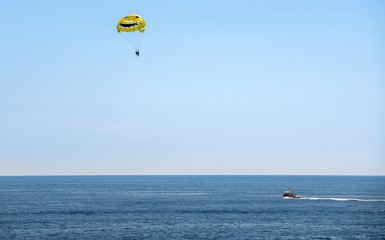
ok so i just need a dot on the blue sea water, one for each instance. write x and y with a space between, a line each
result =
192 207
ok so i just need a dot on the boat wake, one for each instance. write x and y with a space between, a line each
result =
347 199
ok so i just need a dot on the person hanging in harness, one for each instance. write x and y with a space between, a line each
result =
137 52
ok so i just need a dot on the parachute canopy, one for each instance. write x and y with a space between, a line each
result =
131 23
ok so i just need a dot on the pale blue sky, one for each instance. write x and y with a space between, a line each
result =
296 87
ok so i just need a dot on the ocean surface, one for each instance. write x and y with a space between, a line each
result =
192 207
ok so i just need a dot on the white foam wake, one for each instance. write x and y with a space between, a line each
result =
348 199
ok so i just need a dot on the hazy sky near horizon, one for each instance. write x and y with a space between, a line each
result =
281 87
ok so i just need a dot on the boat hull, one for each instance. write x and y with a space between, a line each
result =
296 197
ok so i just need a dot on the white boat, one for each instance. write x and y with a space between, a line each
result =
290 194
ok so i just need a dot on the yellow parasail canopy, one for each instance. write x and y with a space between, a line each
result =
131 23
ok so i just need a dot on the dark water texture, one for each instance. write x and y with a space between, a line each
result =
192 207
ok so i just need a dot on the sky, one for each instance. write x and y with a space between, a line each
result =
221 87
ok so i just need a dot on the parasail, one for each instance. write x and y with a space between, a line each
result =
131 23
132 27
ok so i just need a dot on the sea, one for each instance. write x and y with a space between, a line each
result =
191 207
